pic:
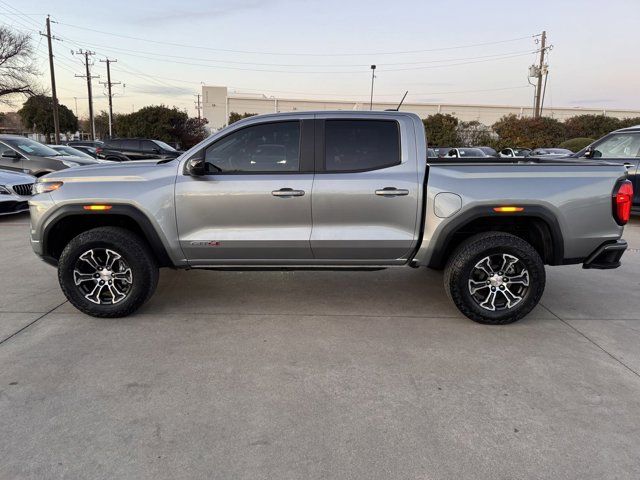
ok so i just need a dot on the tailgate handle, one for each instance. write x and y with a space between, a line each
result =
287 192
392 192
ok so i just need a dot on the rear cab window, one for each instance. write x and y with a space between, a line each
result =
361 145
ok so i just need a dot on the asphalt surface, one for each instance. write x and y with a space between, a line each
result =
308 375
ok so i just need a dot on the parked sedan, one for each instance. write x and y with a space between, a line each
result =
21 154
551 152
517 152
68 151
465 153
91 151
15 192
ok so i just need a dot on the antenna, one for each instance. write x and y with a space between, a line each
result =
402 101
399 105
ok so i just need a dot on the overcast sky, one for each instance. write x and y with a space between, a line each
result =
441 51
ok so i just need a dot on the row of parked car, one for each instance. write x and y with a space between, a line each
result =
480 152
22 160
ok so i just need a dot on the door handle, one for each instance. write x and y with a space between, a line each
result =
629 165
287 192
392 192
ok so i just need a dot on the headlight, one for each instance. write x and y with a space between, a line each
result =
43 187
70 164
4 190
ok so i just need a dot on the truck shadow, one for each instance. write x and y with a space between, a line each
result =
392 292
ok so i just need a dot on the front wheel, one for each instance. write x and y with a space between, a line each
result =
107 272
495 278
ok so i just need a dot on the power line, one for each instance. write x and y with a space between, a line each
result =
56 120
109 83
88 76
257 52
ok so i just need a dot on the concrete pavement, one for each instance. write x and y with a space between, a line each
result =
290 375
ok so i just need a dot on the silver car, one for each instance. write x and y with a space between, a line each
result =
21 154
15 191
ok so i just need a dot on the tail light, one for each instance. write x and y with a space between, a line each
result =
98 150
622 201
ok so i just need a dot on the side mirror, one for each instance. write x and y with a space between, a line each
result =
10 154
588 153
196 166
156 150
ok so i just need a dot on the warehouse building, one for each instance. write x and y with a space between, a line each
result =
218 103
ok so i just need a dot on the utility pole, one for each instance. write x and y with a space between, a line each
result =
88 76
56 118
109 83
541 70
198 104
373 76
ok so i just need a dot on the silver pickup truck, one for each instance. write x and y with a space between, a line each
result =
340 190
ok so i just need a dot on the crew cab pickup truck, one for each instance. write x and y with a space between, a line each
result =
339 190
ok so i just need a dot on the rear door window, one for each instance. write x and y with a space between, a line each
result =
621 145
131 145
361 145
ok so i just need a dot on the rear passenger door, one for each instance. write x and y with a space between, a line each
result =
131 149
365 192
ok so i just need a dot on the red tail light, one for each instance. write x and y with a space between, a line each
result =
98 150
622 200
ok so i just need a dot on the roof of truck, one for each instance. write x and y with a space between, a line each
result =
355 113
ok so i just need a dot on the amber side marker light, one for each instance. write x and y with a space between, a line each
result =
508 209
97 208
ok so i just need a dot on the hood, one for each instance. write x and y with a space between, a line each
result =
78 160
15 178
114 171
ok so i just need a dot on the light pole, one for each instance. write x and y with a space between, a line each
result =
373 76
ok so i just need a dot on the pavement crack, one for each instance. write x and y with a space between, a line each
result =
592 341
31 323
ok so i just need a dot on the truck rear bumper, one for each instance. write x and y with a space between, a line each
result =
606 256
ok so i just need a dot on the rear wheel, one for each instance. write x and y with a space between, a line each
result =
495 278
107 272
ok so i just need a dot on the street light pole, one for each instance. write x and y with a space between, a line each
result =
373 76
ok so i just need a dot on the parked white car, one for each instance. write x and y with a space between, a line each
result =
15 191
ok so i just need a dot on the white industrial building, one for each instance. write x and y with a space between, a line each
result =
218 103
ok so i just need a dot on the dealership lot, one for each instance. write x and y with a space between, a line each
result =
318 375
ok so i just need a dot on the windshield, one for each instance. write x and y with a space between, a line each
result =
31 147
521 152
471 152
164 146
70 151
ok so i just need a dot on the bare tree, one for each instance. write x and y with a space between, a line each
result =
18 72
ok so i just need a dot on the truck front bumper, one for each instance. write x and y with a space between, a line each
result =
606 255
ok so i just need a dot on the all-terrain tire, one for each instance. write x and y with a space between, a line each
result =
135 254
462 268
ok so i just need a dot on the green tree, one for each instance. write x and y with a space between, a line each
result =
441 130
630 122
473 134
235 116
161 123
529 132
576 144
591 126
37 114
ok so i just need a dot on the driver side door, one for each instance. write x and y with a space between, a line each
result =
253 205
